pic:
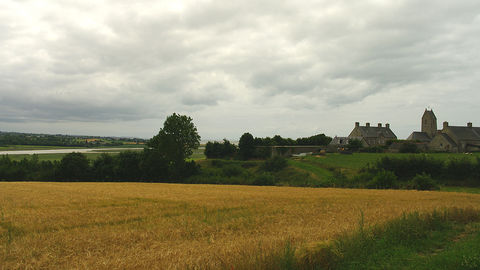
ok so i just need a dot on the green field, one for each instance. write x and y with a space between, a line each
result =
350 164
198 154
356 161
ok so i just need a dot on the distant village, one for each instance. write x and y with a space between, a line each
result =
430 138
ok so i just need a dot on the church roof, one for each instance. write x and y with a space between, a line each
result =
419 136
465 133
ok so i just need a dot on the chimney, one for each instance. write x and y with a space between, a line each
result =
445 124
387 125
469 124
367 124
379 124
357 124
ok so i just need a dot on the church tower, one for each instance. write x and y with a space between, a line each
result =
429 123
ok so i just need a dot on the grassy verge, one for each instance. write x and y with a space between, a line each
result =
449 239
473 190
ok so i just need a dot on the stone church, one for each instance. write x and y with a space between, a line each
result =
449 138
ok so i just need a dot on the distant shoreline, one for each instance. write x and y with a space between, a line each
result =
66 151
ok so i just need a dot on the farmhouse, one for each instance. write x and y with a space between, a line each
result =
372 135
449 138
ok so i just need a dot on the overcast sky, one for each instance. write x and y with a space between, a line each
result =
293 68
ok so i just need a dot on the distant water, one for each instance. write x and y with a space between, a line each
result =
65 151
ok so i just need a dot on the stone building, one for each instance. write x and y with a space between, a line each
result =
449 138
372 135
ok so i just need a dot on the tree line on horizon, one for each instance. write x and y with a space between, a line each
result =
248 146
16 138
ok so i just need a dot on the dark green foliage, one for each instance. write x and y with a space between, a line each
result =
354 145
277 140
228 172
128 166
232 170
373 149
246 146
319 139
460 168
421 172
177 139
74 166
170 147
220 150
423 182
104 167
264 179
190 168
274 164
407 168
263 152
383 180
408 147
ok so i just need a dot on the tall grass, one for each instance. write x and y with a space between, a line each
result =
382 246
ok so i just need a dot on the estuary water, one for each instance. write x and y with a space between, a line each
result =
66 151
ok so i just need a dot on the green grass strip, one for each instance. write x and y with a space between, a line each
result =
448 239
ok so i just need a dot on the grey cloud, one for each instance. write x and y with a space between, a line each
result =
86 61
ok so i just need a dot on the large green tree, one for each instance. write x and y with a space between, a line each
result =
174 142
246 146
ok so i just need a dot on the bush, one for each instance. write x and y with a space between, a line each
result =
274 164
382 180
408 147
423 182
354 145
264 179
232 170
407 168
373 149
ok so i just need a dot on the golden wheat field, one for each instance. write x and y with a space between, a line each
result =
170 226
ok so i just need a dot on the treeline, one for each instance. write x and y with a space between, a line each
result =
248 146
13 138
126 166
277 140
417 172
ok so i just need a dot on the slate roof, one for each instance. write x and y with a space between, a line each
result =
419 136
375 132
446 137
465 133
